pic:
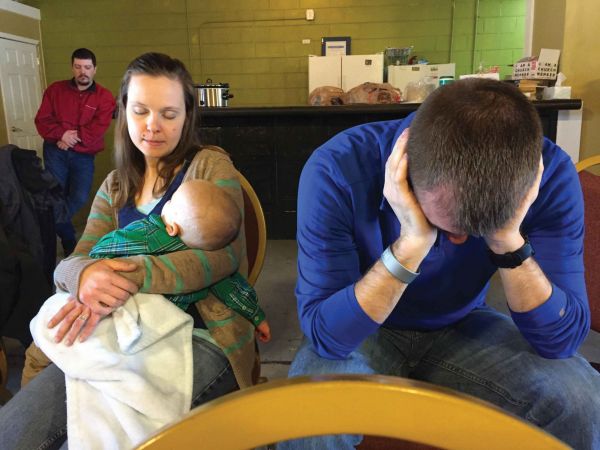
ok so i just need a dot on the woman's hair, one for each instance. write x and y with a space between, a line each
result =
480 141
129 161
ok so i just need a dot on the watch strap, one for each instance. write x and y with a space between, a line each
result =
510 260
395 268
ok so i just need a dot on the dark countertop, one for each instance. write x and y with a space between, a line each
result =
562 104
270 145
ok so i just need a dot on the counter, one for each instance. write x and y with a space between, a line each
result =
270 145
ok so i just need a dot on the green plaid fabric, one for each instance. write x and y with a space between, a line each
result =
149 237
143 237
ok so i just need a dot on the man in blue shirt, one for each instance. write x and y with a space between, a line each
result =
399 233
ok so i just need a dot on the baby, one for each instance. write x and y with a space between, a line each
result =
199 215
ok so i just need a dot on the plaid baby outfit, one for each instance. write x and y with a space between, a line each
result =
148 236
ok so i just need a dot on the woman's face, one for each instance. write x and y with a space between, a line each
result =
155 115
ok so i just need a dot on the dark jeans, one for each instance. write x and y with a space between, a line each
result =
36 417
75 173
482 355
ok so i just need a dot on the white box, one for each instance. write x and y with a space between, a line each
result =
557 92
324 71
358 69
489 76
344 71
400 76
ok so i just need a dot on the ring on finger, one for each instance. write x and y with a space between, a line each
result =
83 317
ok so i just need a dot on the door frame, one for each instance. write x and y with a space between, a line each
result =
42 79
14 37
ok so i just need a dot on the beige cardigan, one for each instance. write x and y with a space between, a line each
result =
182 271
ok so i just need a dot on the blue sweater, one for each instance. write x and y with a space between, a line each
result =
344 224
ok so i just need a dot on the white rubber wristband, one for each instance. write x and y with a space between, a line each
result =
395 268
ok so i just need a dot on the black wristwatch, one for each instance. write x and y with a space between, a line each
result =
514 259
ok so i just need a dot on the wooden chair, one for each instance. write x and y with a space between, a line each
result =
590 184
256 230
365 404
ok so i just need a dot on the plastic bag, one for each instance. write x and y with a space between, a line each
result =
417 91
326 96
372 93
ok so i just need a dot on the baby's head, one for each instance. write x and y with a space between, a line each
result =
203 215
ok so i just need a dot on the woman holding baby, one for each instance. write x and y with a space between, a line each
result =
155 151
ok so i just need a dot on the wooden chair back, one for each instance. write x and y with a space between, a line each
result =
255 229
360 404
590 184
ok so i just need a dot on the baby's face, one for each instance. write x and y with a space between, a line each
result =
171 209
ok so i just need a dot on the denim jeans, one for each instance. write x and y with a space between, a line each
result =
75 173
483 355
36 417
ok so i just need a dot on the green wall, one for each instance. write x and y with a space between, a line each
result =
256 45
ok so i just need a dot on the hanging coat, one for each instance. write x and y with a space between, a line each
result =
30 198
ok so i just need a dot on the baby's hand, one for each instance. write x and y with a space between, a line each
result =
263 331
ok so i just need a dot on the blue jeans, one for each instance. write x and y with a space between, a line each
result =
36 417
483 355
75 173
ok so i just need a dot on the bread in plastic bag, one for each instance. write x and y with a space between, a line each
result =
326 96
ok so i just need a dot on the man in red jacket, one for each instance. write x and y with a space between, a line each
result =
72 120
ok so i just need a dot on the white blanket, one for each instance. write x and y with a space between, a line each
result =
131 377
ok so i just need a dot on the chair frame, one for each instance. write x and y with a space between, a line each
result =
254 271
350 404
587 163
581 166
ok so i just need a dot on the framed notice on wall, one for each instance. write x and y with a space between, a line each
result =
331 46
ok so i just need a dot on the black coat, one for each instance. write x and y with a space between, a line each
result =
30 197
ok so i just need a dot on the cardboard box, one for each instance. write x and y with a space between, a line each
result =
544 67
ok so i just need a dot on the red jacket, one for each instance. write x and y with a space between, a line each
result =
64 107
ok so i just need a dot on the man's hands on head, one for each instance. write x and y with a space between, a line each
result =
526 286
509 238
378 291
70 138
416 233
101 290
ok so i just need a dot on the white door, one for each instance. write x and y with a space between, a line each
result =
21 92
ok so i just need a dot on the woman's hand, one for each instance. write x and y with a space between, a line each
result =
103 289
509 238
416 233
75 319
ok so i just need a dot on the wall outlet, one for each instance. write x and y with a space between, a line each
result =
306 41
310 14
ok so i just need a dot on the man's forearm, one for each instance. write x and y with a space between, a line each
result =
378 291
526 287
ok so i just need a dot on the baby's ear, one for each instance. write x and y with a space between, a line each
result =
172 229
